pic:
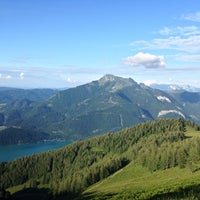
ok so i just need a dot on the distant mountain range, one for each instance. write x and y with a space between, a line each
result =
171 87
106 105
8 95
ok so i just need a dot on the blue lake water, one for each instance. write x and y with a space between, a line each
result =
11 152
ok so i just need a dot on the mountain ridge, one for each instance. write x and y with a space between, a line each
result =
105 105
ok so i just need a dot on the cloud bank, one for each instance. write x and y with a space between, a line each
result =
146 60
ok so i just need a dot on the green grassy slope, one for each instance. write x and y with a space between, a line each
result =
153 160
137 182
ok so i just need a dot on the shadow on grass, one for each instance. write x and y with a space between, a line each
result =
182 193
190 192
32 194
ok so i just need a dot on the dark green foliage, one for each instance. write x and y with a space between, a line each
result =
86 162
189 192
32 194
158 145
164 151
4 194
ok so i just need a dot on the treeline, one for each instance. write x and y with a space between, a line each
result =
167 150
157 145
160 152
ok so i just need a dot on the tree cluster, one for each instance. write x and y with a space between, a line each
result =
157 145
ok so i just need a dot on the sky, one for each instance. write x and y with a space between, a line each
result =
66 43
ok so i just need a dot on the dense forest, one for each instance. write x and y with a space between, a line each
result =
156 145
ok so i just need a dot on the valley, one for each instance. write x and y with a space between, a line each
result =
99 100
129 142
102 106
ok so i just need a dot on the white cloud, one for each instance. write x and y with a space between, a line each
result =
192 17
145 59
183 40
5 76
69 80
183 31
8 77
21 75
149 82
187 44
165 31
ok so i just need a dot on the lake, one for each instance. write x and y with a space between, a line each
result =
11 152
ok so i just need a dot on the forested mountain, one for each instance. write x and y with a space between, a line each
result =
106 105
15 100
8 95
149 149
190 101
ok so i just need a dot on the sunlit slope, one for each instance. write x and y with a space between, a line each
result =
151 160
137 182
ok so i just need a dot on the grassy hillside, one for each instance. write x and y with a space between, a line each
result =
137 182
149 160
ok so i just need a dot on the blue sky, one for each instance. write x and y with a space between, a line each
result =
65 43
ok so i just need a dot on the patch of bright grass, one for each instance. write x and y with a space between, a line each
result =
15 189
140 183
191 132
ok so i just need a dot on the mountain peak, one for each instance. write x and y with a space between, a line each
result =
108 78
117 82
111 78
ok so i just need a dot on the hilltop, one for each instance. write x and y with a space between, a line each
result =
114 166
